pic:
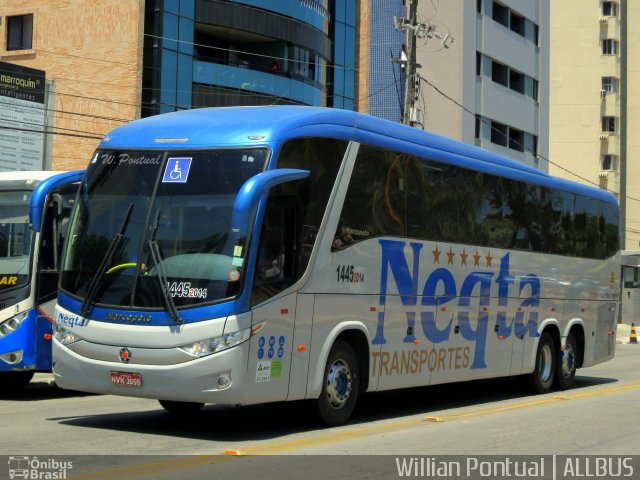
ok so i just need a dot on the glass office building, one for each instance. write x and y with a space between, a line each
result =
214 53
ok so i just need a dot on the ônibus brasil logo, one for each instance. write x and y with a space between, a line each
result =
34 468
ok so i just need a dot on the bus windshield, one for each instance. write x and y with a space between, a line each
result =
15 238
147 219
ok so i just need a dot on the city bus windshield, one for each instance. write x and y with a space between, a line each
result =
15 238
153 227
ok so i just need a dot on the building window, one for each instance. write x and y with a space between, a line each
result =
609 47
630 277
501 14
609 124
478 124
517 23
610 162
479 6
609 9
609 84
499 134
500 73
534 91
516 139
516 81
19 32
478 63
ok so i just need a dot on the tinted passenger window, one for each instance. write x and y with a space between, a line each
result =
375 204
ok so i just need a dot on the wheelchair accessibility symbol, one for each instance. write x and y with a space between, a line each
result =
177 170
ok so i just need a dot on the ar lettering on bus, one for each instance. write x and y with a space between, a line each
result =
440 288
8 280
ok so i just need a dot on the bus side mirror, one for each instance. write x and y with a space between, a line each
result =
252 192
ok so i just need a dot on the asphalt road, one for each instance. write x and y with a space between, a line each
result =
598 416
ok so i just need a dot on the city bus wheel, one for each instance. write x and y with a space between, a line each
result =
181 408
340 386
16 380
566 369
542 377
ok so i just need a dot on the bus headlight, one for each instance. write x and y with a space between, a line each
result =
64 336
218 344
11 325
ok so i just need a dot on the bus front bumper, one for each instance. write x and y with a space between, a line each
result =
216 378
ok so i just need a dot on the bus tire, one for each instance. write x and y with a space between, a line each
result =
567 359
181 408
16 380
541 380
340 386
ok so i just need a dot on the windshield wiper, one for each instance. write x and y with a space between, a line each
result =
97 277
164 283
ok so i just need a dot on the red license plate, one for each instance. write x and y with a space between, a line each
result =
124 379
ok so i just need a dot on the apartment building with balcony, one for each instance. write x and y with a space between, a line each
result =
489 86
595 101
495 73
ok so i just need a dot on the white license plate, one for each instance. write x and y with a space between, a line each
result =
124 379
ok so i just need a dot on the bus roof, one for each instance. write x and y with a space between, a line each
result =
25 179
259 126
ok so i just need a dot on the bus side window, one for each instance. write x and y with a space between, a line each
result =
375 204
276 266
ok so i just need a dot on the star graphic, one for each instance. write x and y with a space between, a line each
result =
463 257
436 255
450 256
489 259
476 259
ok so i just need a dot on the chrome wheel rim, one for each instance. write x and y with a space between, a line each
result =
544 364
568 361
338 384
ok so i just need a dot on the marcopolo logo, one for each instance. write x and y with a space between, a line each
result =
37 469
472 297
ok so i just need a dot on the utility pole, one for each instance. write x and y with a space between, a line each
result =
410 70
414 30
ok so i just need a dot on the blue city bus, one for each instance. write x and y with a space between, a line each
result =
34 213
257 254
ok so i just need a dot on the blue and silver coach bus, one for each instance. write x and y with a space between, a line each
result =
248 255
34 213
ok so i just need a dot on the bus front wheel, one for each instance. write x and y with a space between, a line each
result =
566 370
181 408
543 375
340 386
16 380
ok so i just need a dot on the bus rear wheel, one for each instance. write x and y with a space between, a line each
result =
181 408
567 358
16 380
340 387
543 375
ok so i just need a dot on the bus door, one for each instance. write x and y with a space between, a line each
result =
605 330
51 241
274 315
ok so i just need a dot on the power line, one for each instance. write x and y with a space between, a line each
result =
535 154
48 132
